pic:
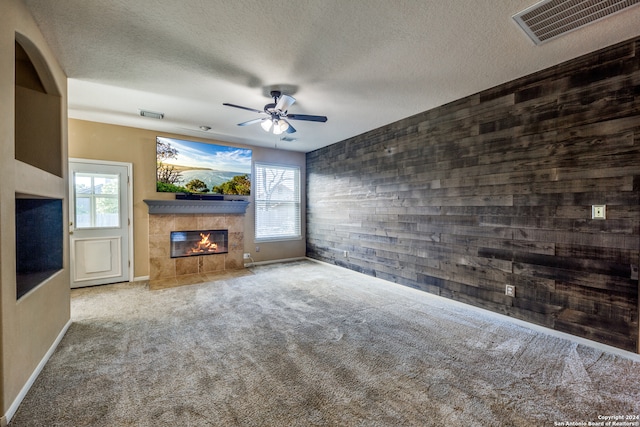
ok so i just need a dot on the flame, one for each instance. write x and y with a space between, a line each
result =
204 245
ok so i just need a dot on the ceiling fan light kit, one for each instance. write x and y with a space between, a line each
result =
277 114
280 126
266 124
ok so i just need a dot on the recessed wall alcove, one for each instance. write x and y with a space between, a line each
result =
38 111
39 241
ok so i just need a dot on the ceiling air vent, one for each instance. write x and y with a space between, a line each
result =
152 114
549 19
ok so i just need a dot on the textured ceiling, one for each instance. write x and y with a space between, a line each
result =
362 63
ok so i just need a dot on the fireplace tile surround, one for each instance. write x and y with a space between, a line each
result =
166 271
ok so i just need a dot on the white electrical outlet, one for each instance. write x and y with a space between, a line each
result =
247 256
599 212
345 254
510 290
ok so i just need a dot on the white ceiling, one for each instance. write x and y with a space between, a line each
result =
361 63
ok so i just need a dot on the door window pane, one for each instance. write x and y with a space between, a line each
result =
106 184
83 212
83 184
97 200
107 212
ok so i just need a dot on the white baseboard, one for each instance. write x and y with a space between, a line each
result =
140 278
273 261
6 418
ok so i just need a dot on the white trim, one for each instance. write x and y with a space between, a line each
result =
275 261
25 389
129 167
140 278
532 326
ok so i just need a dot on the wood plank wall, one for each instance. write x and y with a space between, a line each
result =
497 189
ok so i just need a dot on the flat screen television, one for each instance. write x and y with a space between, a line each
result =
200 168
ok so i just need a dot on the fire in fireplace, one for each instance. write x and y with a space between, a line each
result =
198 242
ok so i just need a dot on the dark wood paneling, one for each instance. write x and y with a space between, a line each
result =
497 189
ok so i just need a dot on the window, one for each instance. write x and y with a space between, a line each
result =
97 200
277 202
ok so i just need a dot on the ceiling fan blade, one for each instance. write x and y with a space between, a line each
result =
243 108
307 117
251 122
290 129
284 102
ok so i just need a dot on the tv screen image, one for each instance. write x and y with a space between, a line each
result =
197 167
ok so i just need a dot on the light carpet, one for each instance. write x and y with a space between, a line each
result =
308 344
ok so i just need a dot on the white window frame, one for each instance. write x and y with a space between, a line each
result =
263 199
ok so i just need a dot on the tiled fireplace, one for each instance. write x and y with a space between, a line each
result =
220 231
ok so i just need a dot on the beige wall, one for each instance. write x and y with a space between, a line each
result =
99 141
28 327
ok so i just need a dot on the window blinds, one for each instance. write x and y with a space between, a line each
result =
277 198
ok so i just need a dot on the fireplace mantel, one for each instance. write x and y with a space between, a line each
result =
197 206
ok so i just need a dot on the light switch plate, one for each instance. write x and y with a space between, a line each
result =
599 212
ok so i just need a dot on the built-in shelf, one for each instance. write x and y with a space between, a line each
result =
197 206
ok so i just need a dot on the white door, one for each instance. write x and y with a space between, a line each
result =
99 223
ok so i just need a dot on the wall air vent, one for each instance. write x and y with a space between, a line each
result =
549 19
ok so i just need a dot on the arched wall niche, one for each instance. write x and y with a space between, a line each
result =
38 110
25 73
39 64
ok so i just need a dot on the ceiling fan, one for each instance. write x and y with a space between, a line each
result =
277 115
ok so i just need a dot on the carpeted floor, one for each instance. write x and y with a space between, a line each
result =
307 344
